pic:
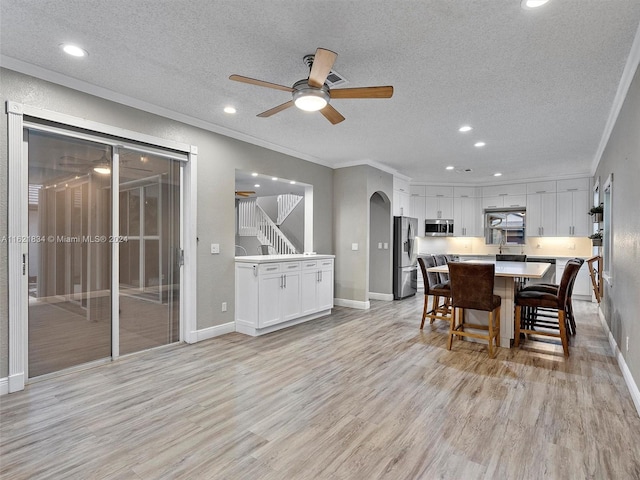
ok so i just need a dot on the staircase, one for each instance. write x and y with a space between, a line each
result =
253 221
286 203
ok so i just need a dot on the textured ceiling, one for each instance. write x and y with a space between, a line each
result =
537 86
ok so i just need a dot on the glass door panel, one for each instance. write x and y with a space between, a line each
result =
69 206
149 193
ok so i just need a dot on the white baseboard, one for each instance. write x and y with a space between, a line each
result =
215 331
343 302
4 386
626 373
381 296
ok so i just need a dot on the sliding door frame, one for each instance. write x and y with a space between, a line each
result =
18 225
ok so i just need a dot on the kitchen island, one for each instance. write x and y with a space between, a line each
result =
278 291
506 277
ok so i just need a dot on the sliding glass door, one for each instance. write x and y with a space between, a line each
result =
149 206
76 313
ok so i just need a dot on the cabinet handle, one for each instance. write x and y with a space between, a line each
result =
320 275
271 268
285 281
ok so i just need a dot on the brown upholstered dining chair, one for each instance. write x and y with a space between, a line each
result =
530 303
440 293
472 288
552 288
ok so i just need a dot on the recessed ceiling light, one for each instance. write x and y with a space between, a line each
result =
530 4
254 174
229 110
479 144
450 167
257 185
274 178
292 182
73 50
465 128
497 174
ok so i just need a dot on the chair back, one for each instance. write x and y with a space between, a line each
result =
565 287
430 279
442 260
472 285
506 257
579 262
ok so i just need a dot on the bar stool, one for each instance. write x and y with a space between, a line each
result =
472 288
437 290
533 322
442 260
553 288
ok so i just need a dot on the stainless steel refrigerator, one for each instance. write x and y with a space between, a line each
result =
405 265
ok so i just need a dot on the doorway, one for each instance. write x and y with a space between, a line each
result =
81 238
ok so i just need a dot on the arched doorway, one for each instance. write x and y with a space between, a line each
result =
380 260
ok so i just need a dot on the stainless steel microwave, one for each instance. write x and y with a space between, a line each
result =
438 227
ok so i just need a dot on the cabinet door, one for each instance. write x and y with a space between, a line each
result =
581 217
308 291
582 286
418 211
290 296
515 200
564 213
541 215
431 208
466 217
325 287
492 202
445 205
269 299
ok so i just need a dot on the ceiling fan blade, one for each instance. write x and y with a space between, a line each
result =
277 109
363 92
245 193
332 114
260 83
322 63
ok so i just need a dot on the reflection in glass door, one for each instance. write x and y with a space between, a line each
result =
69 273
149 213
70 260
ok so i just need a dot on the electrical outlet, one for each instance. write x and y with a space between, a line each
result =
224 306
215 248
386 246
354 246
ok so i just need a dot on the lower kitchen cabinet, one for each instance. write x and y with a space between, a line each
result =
274 295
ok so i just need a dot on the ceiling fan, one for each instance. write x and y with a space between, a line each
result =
101 165
313 94
244 193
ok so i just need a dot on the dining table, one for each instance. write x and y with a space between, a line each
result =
507 278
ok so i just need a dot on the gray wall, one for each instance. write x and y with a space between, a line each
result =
218 158
380 264
621 157
353 187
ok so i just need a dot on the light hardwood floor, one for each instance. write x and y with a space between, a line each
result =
357 395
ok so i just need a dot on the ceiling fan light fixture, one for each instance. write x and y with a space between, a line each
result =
530 4
102 170
310 99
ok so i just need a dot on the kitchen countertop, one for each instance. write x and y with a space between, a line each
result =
280 258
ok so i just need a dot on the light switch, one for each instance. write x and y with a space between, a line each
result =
379 245
354 246
386 246
215 248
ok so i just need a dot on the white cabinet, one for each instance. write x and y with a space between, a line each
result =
317 286
467 217
274 295
439 207
504 201
278 293
418 210
401 202
573 219
541 214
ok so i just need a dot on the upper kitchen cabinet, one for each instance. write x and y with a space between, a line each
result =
572 208
401 198
467 212
541 209
504 196
438 201
418 211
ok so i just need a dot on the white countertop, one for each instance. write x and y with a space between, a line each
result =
280 258
506 269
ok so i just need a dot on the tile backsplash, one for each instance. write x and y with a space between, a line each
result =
535 246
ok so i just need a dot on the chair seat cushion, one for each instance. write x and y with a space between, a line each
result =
530 298
540 287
